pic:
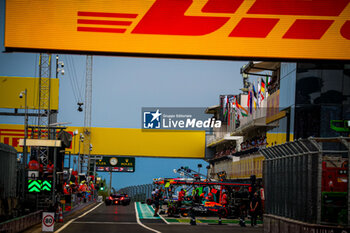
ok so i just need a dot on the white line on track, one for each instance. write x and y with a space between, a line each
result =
112 223
161 217
72 220
141 224
145 212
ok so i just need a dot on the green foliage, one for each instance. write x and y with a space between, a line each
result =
104 194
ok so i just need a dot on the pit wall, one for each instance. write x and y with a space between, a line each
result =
276 224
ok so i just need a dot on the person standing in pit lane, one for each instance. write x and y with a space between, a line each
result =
196 198
157 197
202 196
181 197
224 199
210 196
153 193
254 205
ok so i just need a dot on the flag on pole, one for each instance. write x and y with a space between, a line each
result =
259 94
229 107
254 92
262 92
268 79
254 102
263 86
250 103
262 97
248 99
236 110
242 110
255 97
224 107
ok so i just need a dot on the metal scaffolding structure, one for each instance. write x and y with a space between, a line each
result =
44 93
293 177
44 104
87 117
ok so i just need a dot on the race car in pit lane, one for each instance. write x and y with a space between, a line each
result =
237 192
207 209
118 199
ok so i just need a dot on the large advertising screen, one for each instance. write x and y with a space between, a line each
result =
224 29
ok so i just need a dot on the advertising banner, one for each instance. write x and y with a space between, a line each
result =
225 29
115 164
125 142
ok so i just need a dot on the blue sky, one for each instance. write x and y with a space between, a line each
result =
123 85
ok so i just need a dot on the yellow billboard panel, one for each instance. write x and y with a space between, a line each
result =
273 112
125 142
11 87
294 29
278 138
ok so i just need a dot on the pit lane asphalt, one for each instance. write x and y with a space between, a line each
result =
119 218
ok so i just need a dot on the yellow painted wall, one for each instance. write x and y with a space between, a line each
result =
242 169
11 87
250 165
247 166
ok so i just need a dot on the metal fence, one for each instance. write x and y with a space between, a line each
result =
8 173
21 223
139 192
293 178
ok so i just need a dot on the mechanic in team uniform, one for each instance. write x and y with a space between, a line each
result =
157 196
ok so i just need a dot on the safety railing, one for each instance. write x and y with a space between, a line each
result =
307 180
21 223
